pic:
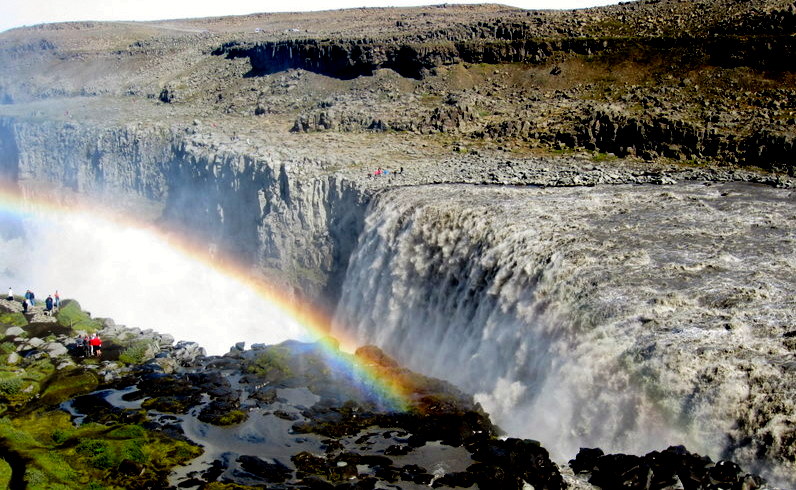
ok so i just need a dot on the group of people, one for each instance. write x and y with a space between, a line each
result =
91 346
380 171
51 304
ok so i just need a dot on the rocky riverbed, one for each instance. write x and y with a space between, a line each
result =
150 411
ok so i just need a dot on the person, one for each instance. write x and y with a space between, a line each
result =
24 306
80 345
86 347
10 296
48 305
57 300
32 298
96 345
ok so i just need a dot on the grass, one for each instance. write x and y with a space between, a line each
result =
70 315
136 353
14 319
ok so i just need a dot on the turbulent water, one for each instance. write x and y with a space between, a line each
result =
625 317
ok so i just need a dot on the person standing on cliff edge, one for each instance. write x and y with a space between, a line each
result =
10 296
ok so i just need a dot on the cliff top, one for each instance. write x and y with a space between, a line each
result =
707 82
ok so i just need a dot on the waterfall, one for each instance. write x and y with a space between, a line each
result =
579 317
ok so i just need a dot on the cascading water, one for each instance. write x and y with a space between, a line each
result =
623 317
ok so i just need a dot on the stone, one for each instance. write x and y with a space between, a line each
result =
55 349
14 331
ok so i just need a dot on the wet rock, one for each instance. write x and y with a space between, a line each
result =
254 468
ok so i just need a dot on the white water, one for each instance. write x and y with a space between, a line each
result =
137 278
625 317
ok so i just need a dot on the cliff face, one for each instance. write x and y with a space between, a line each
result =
297 232
348 59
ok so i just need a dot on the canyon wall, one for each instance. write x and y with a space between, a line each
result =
297 233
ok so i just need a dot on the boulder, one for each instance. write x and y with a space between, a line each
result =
14 331
55 349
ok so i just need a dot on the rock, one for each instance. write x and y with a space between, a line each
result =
187 353
263 471
14 331
55 349
13 358
35 342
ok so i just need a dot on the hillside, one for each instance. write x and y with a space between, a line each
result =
695 82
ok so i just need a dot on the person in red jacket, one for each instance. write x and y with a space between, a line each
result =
96 345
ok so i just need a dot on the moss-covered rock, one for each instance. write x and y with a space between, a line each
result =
67 384
71 315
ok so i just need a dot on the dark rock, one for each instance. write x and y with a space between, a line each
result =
130 467
586 460
263 471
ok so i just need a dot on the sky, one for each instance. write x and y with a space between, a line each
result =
16 13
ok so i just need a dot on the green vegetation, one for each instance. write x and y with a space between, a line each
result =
273 363
5 474
232 417
14 319
70 315
604 157
10 385
68 384
60 455
136 353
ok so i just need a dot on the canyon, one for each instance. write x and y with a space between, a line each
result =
586 222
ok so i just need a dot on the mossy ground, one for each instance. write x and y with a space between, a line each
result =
47 451
61 455
72 316
13 319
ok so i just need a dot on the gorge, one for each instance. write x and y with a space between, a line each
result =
616 316
603 255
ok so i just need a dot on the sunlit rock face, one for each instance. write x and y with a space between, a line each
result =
252 210
621 317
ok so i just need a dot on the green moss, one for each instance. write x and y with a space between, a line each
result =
136 353
7 347
5 474
70 315
273 363
14 319
127 432
69 384
232 417
61 455
10 385
603 157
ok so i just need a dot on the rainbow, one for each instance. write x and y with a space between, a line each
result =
389 387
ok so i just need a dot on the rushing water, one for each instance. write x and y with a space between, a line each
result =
626 317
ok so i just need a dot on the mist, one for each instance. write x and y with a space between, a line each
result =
136 277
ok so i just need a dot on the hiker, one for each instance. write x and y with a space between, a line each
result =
80 345
96 345
57 300
86 347
10 296
32 298
48 305
24 306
